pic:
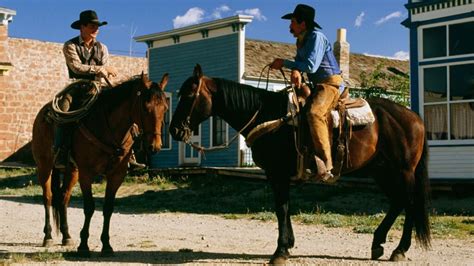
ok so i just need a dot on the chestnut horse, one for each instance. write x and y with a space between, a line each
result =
101 145
392 150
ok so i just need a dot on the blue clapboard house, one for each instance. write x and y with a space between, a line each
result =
218 46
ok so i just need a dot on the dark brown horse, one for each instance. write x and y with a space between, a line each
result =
101 146
393 151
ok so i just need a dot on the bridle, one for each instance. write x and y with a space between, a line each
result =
187 123
139 103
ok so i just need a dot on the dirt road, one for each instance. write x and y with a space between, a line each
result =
200 239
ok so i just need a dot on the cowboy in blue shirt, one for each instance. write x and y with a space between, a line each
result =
314 57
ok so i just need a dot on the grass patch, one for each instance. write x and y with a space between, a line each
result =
14 258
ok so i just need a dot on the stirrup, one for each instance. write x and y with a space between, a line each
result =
134 165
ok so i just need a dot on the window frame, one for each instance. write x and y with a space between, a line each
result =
226 132
444 61
434 25
447 102
165 129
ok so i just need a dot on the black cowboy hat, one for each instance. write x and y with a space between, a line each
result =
304 12
87 16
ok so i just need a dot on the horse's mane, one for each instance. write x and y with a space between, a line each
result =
238 97
115 96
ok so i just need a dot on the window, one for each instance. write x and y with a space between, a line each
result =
449 110
218 131
165 129
461 38
448 81
434 42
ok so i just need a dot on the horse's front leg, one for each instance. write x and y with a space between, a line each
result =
286 239
68 186
114 180
44 177
89 208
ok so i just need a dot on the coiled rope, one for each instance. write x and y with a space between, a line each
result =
63 117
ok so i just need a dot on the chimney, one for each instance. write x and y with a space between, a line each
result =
341 51
6 16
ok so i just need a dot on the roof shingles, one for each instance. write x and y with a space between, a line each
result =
259 53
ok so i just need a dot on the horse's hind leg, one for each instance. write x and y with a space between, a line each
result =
113 183
399 253
380 234
44 178
89 208
408 202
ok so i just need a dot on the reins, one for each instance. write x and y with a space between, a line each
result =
201 149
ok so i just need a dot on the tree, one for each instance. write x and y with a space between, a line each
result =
383 84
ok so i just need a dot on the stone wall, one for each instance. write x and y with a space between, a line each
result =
342 53
38 73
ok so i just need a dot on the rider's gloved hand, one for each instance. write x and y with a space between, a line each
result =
277 63
108 71
296 78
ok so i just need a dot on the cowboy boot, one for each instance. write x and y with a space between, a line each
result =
133 164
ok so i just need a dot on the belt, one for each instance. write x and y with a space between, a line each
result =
334 80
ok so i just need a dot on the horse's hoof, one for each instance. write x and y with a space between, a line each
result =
83 252
47 243
278 260
107 252
377 253
68 242
398 255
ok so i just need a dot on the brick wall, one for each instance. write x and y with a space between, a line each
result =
39 72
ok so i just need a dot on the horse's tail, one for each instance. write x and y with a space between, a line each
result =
57 197
422 200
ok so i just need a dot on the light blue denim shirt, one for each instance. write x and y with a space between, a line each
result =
315 58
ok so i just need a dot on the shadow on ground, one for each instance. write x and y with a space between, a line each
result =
161 257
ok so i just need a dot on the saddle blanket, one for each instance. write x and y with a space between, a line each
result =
357 116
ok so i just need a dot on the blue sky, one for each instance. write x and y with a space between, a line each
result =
373 26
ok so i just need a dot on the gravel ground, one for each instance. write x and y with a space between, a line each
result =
180 238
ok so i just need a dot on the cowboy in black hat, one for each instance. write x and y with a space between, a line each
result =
86 59
314 57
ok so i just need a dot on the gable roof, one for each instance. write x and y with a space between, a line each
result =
259 53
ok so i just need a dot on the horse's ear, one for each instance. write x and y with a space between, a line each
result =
164 81
145 80
197 71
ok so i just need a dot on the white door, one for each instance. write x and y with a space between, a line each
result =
189 155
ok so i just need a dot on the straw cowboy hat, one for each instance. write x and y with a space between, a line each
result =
87 16
304 12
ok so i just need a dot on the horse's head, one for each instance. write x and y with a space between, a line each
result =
195 105
152 111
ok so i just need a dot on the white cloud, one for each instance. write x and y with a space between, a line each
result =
402 55
217 14
398 55
359 19
255 12
388 17
194 15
